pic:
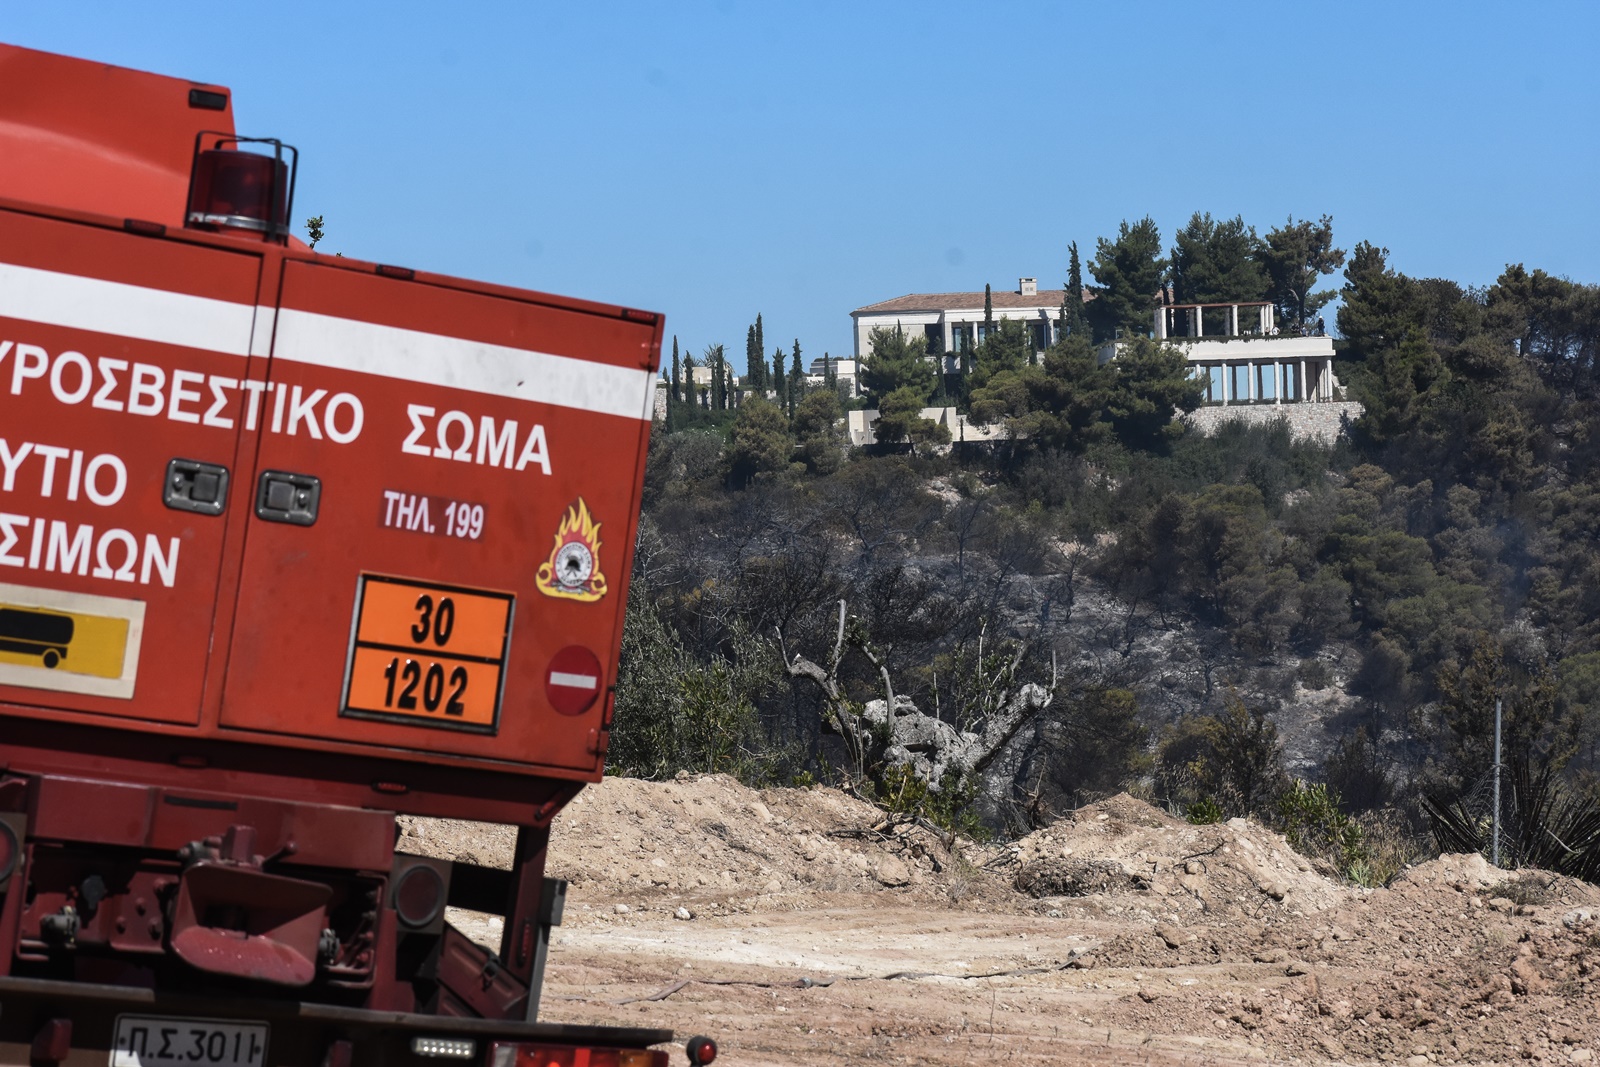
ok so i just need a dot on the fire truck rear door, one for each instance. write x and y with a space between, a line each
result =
123 363
444 490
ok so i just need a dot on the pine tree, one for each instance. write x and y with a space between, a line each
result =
1296 257
1129 270
780 396
1217 262
897 362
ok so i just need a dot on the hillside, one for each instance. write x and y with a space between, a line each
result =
1357 608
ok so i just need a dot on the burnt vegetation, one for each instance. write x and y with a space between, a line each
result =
1228 624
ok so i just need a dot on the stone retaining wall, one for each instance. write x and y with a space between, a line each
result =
1321 422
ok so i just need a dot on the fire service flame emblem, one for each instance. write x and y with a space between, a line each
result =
573 570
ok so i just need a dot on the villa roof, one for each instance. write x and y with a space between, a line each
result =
1007 300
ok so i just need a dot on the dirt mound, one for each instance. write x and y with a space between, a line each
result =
820 931
709 839
1440 968
1219 869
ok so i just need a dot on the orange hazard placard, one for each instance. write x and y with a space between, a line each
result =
426 654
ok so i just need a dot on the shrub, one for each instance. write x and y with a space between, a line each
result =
1314 674
675 712
1232 758
1310 819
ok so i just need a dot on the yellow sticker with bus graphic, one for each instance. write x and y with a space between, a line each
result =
69 642
426 654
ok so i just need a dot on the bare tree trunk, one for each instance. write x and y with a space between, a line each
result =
894 732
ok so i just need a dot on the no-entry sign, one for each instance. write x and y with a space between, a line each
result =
573 681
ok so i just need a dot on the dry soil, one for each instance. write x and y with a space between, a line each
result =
796 926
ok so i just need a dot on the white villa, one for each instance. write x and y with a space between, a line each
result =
1247 361
954 321
845 371
1252 371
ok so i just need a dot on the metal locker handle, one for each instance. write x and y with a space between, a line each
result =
283 496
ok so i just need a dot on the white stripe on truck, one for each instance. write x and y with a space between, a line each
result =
410 355
135 311
164 317
574 681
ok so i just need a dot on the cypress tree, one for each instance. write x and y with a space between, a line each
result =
675 393
781 395
1073 319
797 380
988 309
690 394
714 360
752 356
760 350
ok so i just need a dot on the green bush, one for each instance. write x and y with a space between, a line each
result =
1231 759
675 712
1314 674
1310 820
899 790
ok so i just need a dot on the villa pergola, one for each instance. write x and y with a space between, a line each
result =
1247 361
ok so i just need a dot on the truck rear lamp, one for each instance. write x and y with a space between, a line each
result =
701 1050
419 896
233 188
525 1054
10 852
445 1048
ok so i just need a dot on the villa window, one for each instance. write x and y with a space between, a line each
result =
1239 391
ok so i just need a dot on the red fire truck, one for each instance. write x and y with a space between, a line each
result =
290 544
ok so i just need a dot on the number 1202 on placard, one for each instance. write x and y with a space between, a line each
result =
425 654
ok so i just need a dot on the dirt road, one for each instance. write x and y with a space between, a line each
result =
785 926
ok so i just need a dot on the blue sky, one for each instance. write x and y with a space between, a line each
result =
713 160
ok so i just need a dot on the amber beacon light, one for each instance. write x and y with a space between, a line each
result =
238 188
